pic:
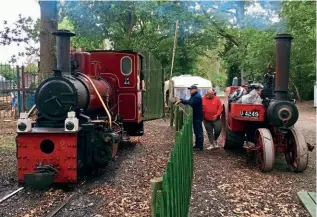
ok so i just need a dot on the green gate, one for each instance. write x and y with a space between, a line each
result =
154 85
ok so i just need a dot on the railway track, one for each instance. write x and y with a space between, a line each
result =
51 213
11 194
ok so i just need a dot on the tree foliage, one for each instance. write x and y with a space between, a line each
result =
7 71
300 18
216 39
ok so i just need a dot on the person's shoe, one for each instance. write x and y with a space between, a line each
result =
211 146
197 148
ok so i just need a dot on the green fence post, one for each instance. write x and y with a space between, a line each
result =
156 184
177 180
159 204
171 114
176 118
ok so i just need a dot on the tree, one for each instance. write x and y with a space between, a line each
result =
8 72
48 25
25 31
147 26
31 68
300 19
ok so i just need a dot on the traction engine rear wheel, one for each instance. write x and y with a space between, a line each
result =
229 139
296 153
265 153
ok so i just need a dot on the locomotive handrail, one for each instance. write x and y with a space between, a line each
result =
31 110
102 102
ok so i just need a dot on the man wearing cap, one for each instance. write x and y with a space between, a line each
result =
195 102
212 109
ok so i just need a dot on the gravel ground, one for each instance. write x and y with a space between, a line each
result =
225 185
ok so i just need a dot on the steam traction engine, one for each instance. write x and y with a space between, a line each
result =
91 103
268 126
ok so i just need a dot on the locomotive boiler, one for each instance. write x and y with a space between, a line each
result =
92 103
268 125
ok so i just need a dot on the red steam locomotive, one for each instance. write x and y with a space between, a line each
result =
91 103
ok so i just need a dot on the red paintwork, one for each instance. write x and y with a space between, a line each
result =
235 122
107 64
238 124
85 62
64 156
104 90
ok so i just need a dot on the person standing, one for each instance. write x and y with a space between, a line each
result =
212 109
195 101
13 104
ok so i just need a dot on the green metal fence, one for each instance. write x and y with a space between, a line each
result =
17 87
171 193
154 84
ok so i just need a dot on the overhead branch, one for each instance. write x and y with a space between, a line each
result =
220 30
229 12
159 41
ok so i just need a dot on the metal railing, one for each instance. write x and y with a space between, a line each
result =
17 89
171 193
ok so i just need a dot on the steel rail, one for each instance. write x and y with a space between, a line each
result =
11 194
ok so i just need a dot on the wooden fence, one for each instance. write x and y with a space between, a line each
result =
171 193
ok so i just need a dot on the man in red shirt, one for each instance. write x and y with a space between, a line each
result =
212 109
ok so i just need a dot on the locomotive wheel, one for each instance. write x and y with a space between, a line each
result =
296 154
229 139
265 154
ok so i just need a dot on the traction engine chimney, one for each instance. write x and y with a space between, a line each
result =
283 49
63 50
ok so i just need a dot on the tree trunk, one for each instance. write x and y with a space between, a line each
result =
48 25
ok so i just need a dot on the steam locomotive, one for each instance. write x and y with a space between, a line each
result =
94 100
268 126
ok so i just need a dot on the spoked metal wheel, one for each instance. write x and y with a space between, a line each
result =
265 153
296 153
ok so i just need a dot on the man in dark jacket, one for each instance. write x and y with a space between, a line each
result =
195 102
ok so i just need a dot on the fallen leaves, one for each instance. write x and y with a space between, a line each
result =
241 190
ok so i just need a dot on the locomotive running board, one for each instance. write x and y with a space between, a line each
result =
39 180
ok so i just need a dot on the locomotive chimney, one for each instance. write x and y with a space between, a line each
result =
283 49
63 50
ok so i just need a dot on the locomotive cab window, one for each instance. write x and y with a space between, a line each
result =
126 65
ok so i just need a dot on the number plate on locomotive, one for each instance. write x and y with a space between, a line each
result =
249 114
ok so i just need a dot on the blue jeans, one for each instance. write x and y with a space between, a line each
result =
199 134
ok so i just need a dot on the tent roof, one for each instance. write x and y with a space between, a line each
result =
189 80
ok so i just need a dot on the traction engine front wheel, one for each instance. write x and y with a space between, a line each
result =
296 153
265 153
229 140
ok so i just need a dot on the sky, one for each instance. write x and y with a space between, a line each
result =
10 11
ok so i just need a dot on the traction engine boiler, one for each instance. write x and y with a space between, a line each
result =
90 104
266 127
